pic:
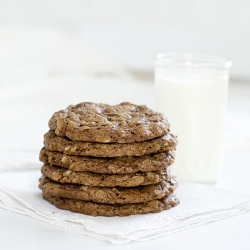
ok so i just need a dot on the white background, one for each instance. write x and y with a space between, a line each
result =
133 31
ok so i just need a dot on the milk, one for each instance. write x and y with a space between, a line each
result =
195 105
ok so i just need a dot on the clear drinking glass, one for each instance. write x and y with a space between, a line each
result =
191 90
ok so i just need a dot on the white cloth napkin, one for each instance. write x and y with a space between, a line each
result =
199 204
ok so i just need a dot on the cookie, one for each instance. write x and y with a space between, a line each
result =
53 142
98 209
110 195
104 180
122 123
120 165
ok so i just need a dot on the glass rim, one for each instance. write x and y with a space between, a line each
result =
188 60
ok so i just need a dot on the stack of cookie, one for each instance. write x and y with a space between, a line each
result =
108 160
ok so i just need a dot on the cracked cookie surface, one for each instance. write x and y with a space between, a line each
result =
96 122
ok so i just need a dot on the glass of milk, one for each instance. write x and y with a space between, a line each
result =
191 90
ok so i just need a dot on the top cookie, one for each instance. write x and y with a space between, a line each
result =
122 123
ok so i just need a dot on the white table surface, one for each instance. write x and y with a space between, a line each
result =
22 233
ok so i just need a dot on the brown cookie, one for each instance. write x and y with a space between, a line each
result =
119 165
104 180
98 209
69 147
122 123
110 195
